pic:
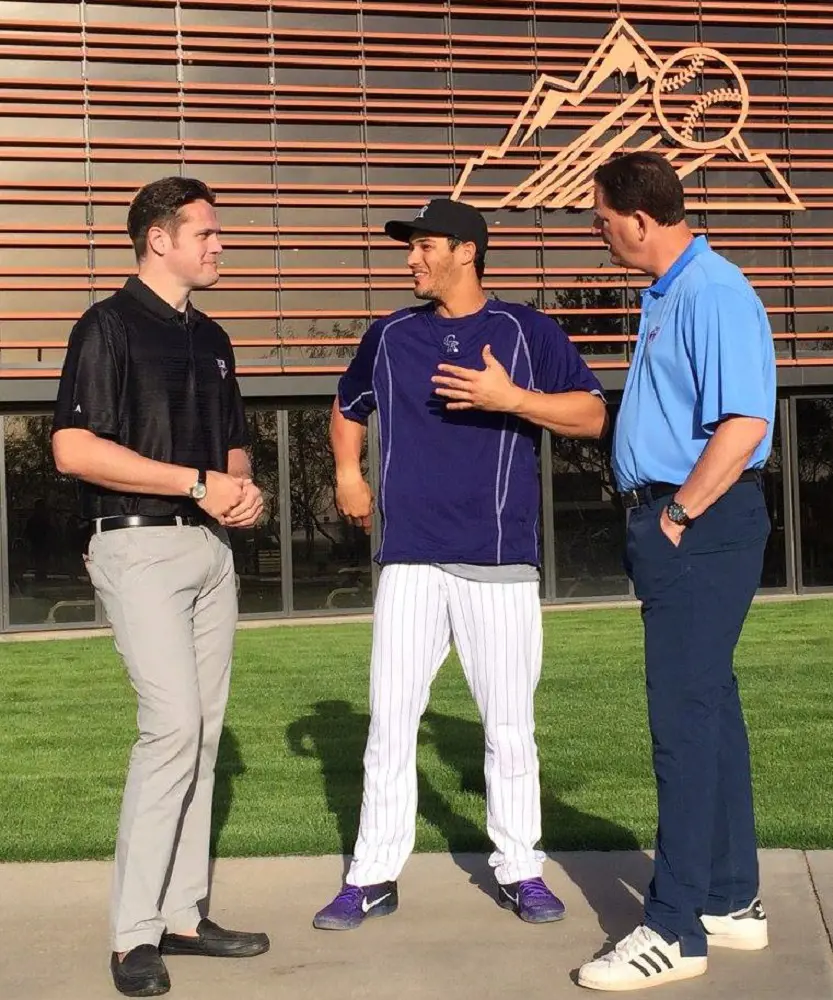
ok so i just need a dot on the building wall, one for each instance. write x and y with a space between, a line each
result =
317 126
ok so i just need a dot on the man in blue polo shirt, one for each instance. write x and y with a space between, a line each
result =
462 386
694 430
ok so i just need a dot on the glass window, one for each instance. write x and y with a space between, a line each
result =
430 136
317 76
208 72
520 82
257 551
36 127
814 426
816 35
203 16
386 300
48 583
428 78
432 181
775 558
330 558
136 70
313 301
41 9
41 170
480 26
733 35
674 36
328 23
319 132
151 132
589 523
398 24
236 131
111 13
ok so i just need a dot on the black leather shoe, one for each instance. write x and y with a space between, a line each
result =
215 942
142 972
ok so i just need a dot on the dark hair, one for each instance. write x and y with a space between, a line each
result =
479 260
159 203
643 182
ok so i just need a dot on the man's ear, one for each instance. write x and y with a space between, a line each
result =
643 224
159 241
467 252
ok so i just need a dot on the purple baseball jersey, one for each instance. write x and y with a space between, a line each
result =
458 487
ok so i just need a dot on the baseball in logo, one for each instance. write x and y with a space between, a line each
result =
706 120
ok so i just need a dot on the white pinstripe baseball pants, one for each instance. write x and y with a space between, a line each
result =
497 632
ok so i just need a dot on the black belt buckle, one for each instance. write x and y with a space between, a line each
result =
630 499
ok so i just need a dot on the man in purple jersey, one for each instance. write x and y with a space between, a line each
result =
462 387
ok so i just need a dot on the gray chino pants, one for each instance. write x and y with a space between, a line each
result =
170 596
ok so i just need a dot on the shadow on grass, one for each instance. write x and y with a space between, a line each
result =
335 735
229 766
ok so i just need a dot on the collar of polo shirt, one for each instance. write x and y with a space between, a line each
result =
153 303
660 287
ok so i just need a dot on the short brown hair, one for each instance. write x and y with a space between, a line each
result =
159 204
479 259
643 182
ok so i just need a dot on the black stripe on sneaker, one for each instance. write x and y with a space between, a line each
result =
636 965
663 956
645 957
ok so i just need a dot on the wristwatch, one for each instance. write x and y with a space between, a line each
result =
199 489
677 514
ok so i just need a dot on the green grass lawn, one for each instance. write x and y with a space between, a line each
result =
289 777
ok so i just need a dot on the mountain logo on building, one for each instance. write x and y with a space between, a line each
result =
691 108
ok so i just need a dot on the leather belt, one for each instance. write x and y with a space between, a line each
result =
655 491
118 521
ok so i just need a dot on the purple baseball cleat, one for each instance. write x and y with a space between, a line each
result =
532 901
355 903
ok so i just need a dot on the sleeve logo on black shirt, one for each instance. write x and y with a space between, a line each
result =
221 364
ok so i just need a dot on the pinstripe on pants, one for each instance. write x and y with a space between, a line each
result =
496 629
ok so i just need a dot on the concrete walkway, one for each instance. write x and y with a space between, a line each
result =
449 939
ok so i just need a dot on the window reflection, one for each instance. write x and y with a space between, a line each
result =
589 522
330 558
814 419
257 551
775 558
48 583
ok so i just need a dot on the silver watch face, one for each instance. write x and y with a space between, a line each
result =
198 491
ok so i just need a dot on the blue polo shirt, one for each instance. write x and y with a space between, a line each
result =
458 487
704 353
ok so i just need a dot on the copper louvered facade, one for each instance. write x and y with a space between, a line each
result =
317 121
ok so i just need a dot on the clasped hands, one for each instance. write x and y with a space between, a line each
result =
489 388
233 501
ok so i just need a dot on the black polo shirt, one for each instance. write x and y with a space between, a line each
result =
157 381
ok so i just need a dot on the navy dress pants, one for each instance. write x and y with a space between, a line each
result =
695 598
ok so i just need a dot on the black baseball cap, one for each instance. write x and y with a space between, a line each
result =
445 218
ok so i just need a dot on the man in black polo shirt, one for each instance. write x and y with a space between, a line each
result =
149 418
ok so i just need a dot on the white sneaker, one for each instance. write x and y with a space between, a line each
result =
744 930
640 960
